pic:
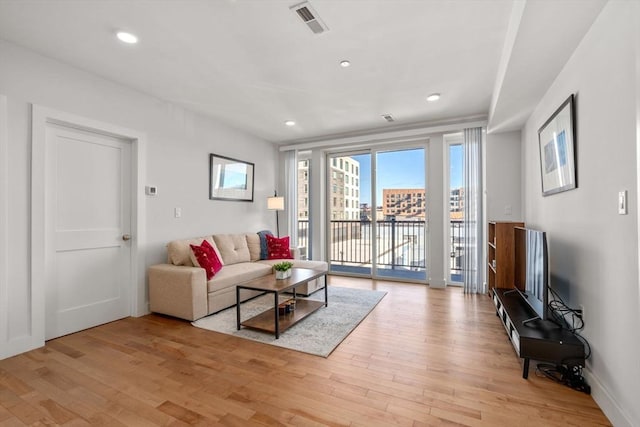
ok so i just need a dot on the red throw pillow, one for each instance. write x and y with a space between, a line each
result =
206 258
278 248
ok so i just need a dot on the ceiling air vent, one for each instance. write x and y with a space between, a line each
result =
309 17
388 117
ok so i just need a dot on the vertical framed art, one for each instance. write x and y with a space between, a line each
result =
558 150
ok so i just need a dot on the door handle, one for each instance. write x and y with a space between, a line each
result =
126 237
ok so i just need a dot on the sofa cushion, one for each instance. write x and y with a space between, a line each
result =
234 274
233 248
253 242
263 242
179 251
204 256
298 263
278 248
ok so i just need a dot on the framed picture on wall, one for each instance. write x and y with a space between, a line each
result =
230 179
558 150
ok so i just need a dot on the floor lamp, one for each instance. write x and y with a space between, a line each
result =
276 203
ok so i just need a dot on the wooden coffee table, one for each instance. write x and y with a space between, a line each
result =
271 320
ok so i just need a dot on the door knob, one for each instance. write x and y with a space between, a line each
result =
126 237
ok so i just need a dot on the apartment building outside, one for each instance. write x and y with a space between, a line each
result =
456 200
303 189
404 203
344 189
410 203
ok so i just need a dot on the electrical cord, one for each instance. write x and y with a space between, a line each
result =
569 375
566 373
560 310
586 343
568 318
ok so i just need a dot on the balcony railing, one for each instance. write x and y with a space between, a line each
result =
303 234
456 246
400 245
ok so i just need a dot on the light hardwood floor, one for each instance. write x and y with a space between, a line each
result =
423 357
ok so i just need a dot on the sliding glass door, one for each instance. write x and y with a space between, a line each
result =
377 207
349 211
400 232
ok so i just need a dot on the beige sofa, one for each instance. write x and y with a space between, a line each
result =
181 290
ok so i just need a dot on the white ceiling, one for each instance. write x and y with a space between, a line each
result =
254 64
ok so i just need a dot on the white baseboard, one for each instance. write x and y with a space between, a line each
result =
147 310
19 345
607 403
437 283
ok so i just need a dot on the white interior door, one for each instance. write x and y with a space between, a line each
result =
88 216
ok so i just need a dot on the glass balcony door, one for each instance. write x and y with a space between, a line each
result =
376 205
349 210
400 232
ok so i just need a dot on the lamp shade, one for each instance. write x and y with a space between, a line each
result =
275 203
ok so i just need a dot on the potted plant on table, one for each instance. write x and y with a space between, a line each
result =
283 269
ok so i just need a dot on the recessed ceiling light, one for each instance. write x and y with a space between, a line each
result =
433 97
344 63
290 123
125 37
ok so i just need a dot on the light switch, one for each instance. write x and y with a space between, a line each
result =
177 212
622 202
507 210
151 190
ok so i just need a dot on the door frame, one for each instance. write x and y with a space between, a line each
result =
449 139
304 156
41 233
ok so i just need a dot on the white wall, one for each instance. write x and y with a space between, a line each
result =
178 145
593 250
503 185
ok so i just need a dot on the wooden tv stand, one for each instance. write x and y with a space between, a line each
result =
539 339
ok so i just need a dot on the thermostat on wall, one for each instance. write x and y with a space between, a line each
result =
151 190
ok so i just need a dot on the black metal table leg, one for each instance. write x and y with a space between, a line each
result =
525 370
238 307
326 299
275 310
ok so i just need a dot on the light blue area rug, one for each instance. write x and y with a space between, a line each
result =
318 334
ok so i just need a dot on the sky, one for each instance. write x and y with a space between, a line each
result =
402 169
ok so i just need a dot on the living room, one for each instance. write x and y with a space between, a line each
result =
594 251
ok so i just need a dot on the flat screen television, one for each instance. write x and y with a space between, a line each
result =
532 269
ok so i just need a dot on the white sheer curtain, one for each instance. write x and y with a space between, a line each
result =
472 265
291 195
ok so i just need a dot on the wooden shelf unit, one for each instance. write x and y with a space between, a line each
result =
501 254
264 321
